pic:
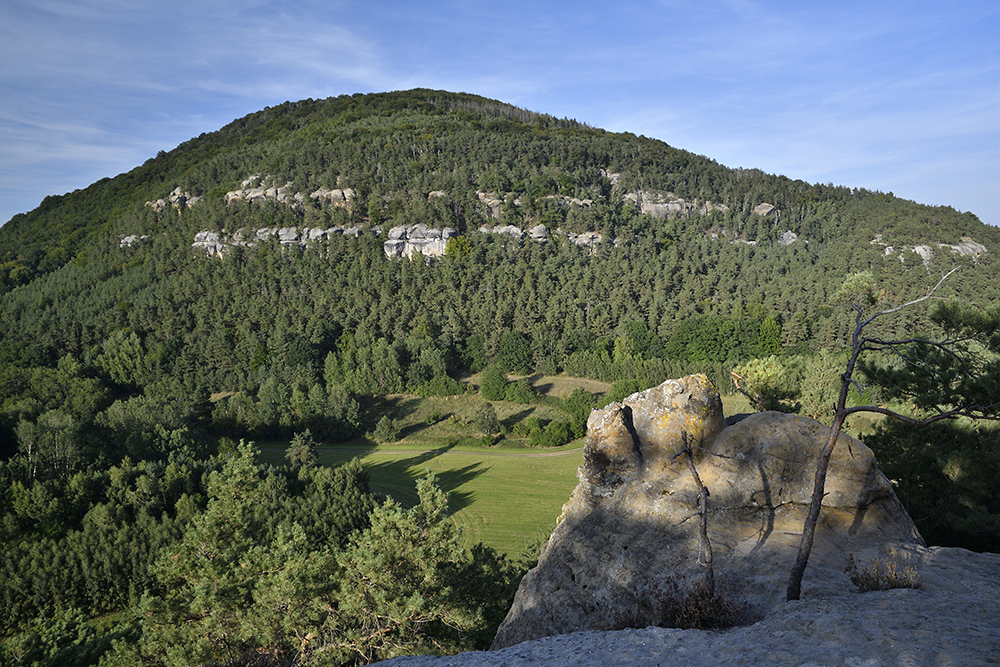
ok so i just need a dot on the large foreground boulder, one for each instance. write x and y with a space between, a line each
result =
629 533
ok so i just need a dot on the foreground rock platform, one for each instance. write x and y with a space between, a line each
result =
953 620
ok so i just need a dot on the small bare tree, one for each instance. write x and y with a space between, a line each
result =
956 375
705 547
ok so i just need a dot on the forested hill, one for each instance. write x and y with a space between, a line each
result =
695 263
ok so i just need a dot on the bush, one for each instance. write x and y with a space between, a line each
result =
486 419
767 383
622 389
555 434
520 391
578 405
386 430
441 385
881 576
524 427
493 383
663 605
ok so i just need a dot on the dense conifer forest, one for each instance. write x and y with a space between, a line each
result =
137 528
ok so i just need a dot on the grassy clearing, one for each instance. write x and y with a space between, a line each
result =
503 498
507 496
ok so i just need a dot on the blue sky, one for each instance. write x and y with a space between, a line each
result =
901 97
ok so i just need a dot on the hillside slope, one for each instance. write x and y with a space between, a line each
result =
681 236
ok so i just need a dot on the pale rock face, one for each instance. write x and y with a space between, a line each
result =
966 247
587 239
492 201
631 524
417 239
509 230
611 176
788 238
209 242
925 252
288 235
539 233
259 190
667 204
763 209
177 198
218 244
131 239
335 197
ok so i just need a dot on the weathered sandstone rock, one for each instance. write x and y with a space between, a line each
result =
630 527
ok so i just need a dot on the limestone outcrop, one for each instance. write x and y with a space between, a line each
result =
417 239
218 244
541 234
259 190
763 209
131 239
788 237
508 230
335 197
965 247
630 528
667 204
177 199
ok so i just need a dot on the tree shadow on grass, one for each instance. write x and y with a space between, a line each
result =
398 478
510 420
374 408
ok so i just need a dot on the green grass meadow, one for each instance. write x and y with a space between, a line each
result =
507 496
503 498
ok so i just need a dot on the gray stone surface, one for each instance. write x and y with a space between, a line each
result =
951 621
409 240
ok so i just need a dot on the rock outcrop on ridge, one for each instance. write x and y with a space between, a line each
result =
630 528
405 241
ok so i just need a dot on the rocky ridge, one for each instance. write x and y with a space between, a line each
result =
259 190
218 244
417 239
407 240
